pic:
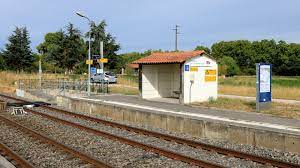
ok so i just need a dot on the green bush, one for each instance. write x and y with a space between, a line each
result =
228 66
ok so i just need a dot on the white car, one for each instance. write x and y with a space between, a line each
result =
106 77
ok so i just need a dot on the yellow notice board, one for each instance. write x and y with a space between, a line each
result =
210 72
210 75
89 62
103 60
193 69
210 78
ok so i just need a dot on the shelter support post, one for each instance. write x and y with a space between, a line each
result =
140 78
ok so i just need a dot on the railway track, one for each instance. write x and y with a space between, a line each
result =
224 151
195 144
146 147
84 157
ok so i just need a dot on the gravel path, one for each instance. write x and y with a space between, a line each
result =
112 152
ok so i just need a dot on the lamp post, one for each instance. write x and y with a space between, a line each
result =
40 69
89 57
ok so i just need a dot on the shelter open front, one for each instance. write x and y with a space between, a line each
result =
187 76
161 80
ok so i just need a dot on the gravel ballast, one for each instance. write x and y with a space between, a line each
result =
36 152
259 151
112 152
175 147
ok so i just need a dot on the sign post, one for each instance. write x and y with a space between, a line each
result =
93 70
263 86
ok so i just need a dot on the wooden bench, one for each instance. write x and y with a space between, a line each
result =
177 92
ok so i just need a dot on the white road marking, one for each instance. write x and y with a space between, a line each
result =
253 123
253 98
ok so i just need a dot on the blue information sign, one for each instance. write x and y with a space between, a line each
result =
265 80
263 85
93 70
186 68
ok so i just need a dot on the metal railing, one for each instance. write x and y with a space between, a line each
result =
62 85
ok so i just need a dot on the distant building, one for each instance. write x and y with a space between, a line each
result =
189 76
134 67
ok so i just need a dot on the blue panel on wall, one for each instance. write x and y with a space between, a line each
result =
186 68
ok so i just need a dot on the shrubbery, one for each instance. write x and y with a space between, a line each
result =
228 66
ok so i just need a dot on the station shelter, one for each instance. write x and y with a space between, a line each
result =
190 76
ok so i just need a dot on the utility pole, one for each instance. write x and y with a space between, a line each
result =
176 37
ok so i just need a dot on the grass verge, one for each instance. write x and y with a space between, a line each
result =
292 93
8 80
123 90
128 80
277 109
282 87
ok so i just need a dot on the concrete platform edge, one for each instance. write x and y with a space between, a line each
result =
269 138
4 163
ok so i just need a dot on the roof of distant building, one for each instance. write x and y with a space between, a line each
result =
133 66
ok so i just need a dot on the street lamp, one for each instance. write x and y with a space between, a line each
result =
89 57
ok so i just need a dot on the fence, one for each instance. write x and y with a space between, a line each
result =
63 85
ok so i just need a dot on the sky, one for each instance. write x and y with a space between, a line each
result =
139 25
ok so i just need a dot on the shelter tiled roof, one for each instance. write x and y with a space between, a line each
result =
168 57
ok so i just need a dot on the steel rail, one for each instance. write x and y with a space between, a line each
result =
147 147
225 151
20 162
84 157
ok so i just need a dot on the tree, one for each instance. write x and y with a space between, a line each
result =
284 57
2 62
228 66
110 48
74 48
17 55
280 58
127 58
241 51
52 48
292 66
64 49
206 49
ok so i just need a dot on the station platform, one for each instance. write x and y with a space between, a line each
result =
171 106
235 126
